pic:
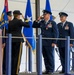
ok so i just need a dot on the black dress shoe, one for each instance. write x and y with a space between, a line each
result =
4 72
47 72
61 72
14 74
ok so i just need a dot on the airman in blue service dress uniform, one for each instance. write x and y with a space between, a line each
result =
65 29
15 27
48 30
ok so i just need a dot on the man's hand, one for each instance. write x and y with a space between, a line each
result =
22 16
53 44
71 45
39 18
3 45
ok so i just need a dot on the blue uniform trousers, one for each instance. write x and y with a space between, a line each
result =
62 57
48 54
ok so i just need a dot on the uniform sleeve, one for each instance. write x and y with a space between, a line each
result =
55 32
25 24
36 24
71 32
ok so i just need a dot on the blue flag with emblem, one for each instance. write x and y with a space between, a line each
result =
48 7
28 32
4 19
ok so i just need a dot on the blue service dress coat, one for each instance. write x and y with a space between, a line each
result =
48 30
66 30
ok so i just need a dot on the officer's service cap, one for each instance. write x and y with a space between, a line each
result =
47 12
9 13
63 14
17 12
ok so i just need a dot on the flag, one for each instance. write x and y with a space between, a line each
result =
48 7
28 32
6 5
4 18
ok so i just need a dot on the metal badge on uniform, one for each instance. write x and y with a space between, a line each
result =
46 28
49 26
67 27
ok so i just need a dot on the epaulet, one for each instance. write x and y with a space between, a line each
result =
69 22
59 23
52 21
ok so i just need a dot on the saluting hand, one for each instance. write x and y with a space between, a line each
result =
39 18
22 16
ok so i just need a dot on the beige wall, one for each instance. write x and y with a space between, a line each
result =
56 6
18 5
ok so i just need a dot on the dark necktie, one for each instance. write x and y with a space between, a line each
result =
62 25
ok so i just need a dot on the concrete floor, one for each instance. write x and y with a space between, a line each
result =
43 74
34 73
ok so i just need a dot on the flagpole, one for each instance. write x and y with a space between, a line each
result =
30 60
1 52
26 60
29 56
37 9
6 4
26 41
